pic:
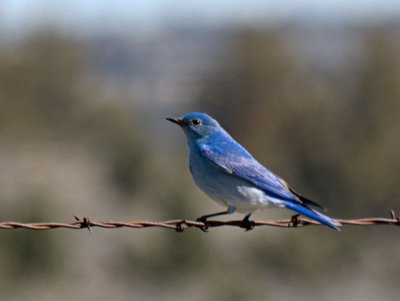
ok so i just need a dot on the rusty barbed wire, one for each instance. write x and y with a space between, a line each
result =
180 225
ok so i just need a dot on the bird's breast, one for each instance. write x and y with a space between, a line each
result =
225 188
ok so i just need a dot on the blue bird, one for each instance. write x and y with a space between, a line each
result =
229 174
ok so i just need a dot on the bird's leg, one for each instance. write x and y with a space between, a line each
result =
247 223
204 218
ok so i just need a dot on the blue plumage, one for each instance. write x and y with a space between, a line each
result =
230 175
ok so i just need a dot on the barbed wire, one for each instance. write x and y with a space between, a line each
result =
180 225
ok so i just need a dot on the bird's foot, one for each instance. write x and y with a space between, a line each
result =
203 219
247 224
295 220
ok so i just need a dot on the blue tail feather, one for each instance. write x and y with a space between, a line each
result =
310 213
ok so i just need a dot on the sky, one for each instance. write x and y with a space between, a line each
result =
18 16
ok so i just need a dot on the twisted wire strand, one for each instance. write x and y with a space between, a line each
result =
180 225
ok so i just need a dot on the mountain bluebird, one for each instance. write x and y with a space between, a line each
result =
230 175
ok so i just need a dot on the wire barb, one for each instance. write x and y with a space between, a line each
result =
84 222
180 225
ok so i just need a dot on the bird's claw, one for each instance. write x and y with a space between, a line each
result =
295 220
205 222
247 224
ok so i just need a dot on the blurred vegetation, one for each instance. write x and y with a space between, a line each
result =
45 102
46 96
335 142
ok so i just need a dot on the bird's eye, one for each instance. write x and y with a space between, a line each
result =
196 121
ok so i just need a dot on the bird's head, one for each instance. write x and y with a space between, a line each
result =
197 125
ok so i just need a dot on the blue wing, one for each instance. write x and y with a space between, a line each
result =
235 160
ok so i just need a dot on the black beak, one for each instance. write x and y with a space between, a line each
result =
175 120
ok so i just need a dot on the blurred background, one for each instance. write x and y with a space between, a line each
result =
311 88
